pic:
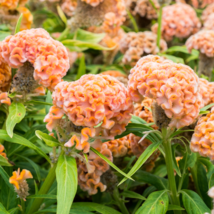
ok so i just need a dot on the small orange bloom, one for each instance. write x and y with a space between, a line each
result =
1 151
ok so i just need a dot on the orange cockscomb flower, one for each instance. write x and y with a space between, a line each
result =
178 20
99 103
174 87
18 179
5 76
2 151
203 138
12 4
34 50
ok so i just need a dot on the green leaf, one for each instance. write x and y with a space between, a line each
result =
16 114
4 161
61 14
6 177
211 181
95 207
203 183
136 119
182 49
36 102
87 36
174 162
22 141
142 159
156 203
3 210
48 100
49 140
131 194
174 207
173 58
47 196
206 107
110 163
75 43
13 211
82 69
193 203
18 25
3 35
66 176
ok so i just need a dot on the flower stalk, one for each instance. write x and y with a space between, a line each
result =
159 26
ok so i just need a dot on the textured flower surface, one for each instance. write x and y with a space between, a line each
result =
12 4
100 103
68 7
178 20
209 24
207 12
5 76
48 56
202 140
202 41
135 45
2 153
4 99
93 3
175 88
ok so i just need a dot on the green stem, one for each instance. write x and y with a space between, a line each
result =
133 21
44 189
170 172
23 206
63 34
120 203
159 27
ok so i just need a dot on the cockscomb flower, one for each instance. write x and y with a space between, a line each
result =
204 42
5 76
12 4
206 91
4 99
36 51
174 87
68 7
202 140
178 20
135 45
99 103
2 153
209 24
207 12
93 3
201 4
19 181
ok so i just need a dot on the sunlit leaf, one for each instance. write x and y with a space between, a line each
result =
49 140
18 25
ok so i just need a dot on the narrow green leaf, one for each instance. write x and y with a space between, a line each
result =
47 196
66 176
6 177
174 207
48 100
49 140
207 107
12 211
136 119
18 25
22 141
16 114
4 161
61 14
193 203
173 58
211 181
82 69
156 203
142 159
36 102
131 194
175 165
110 163
3 210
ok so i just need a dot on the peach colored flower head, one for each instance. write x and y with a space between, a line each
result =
2 153
209 24
4 99
202 41
93 3
203 138
135 45
69 6
12 4
5 76
175 88
145 9
207 12
206 91
18 177
178 20
48 56
27 18
90 101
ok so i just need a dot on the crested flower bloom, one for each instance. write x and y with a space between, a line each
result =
174 87
93 3
5 76
35 48
207 12
12 4
2 153
178 20
68 7
99 103
135 45
203 41
202 140
19 181
4 99
209 24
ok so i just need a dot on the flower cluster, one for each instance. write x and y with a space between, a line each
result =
99 103
12 4
135 45
2 153
207 12
48 57
202 41
68 7
5 76
179 20
175 88
202 139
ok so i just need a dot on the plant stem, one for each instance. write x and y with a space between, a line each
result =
133 21
170 172
159 27
44 189
120 203
63 34
23 206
